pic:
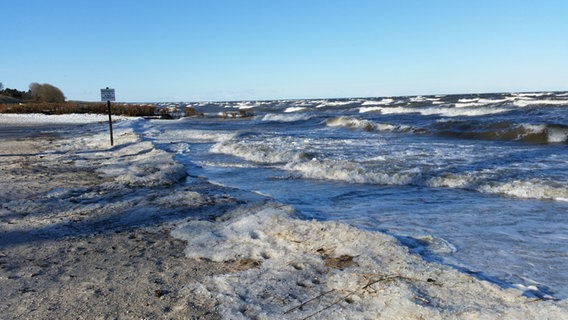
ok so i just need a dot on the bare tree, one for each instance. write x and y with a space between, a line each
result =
1 86
46 93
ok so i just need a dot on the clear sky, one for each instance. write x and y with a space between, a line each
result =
200 50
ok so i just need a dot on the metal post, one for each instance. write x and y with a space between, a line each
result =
110 122
108 96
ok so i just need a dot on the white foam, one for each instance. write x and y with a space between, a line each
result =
529 190
243 105
271 152
382 102
246 105
478 102
189 135
557 134
423 99
348 171
533 128
530 94
349 122
327 270
466 100
225 164
526 102
294 109
334 103
286 117
367 125
451 180
442 111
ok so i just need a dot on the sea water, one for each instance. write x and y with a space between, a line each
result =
476 182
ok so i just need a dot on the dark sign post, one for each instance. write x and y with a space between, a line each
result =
108 96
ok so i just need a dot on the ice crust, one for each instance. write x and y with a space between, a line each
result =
328 270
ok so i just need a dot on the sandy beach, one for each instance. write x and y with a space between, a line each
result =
90 231
87 258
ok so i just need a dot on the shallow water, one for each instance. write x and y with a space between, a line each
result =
476 182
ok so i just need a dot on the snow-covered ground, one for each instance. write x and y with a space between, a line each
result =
38 118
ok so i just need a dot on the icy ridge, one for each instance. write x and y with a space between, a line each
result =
317 269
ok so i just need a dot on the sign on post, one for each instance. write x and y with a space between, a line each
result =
108 96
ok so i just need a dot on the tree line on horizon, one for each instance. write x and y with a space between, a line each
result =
48 99
37 93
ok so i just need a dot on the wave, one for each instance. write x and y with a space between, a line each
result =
385 101
462 129
533 102
279 117
480 102
482 182
440 111
286 154
336 104
173 135
530 94
295 109
348 171
353 172
533 189
505 131
367 125
260 152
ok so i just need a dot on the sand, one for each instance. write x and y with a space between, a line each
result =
65 256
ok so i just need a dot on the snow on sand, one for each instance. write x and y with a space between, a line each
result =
86 233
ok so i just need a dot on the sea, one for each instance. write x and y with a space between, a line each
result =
477 182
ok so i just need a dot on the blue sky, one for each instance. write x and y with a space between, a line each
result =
264 49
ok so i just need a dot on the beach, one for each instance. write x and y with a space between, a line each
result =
90 231
58 261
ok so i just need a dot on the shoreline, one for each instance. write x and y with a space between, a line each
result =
73 265
93 231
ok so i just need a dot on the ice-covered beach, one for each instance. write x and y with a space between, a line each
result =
93 231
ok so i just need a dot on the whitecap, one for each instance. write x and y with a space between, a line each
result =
385 101
526 103
294 109
528 189
348 171
286 117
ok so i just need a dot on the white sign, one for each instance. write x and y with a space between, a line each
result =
107 94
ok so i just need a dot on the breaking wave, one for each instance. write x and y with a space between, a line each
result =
439 110
367 125
506 131
287 117
268 153
285 156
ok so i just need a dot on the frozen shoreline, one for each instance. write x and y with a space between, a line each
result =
77 242
86 213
